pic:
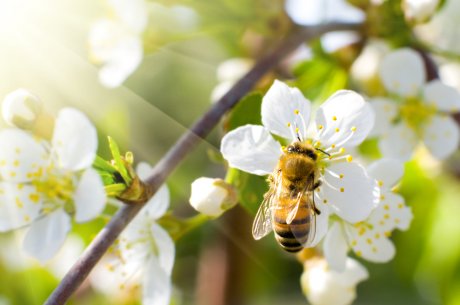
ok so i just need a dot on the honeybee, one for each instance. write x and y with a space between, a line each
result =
288 206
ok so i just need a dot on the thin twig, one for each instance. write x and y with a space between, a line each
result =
178 152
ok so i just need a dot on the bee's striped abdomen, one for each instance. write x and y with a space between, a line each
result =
293 236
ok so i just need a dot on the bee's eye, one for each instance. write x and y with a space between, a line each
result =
291 149
311 154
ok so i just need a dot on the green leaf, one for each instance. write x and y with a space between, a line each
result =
247 111
120 165
103 166
251 188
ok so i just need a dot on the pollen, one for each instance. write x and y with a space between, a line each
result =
342 190
26 218
325 201
334 118
377 236
374 249
341 176
296 111
349 158
2 163
386 207
16 163
288 124
20 186
17 150
362 231
353 128
400 206
359 253
19 203
337 129
297 130
380 183
369 241
35 198
386 216
387 233
320 127
354 243
382 197
12 174
341 150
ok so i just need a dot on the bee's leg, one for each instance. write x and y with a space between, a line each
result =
315 186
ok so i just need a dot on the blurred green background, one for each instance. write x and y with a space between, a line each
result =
44 48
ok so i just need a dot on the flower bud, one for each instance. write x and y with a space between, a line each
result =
21 109
419 11
212 196
324 286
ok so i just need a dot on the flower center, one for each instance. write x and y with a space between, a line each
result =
416 113
57 188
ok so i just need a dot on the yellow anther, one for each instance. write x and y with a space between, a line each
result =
380 182
369 241
16 163
17 150
354 243
342 190
19 203
337 129
297 130
359 253
288 124
374 249
333 146
35 198
296 111
377 236
386 207
387 233
386 216
341 150
382 197
341 176
381 222
353 128
325 201
334 118
12 174
400 206
20 186
320 127
349 158
26 218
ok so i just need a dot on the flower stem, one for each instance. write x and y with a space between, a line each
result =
180 150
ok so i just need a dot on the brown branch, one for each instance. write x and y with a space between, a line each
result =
178 152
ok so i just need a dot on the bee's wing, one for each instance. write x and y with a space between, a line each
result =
262 224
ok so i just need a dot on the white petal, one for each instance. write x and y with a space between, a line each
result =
126 56
445 98
390 213
349 191
232 69
208 196
19 205
403 72
157 286
387 172
133 13
21 108
46 235
158 204
322 224
252 149
354 272
74 139
441 136
370 244
279 107
89 196
143 170
345 119
385 112
335 248
165 246
398 142
20 156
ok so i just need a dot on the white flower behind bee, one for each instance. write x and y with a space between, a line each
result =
212 197
325 286
419 10
418 111
369 239
44 184
343 121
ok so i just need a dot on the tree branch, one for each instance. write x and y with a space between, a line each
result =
178 152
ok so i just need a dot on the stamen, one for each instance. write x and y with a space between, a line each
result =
304 125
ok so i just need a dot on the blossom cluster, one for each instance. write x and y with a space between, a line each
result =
356 206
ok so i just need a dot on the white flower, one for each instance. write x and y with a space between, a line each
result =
324 286
44 185
116 43
369 239
419 10
146 250
21 108
228 73
343 121
419 111
211 196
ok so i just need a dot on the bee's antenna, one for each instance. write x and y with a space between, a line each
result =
319 149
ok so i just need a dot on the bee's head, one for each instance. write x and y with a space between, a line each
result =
302 149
